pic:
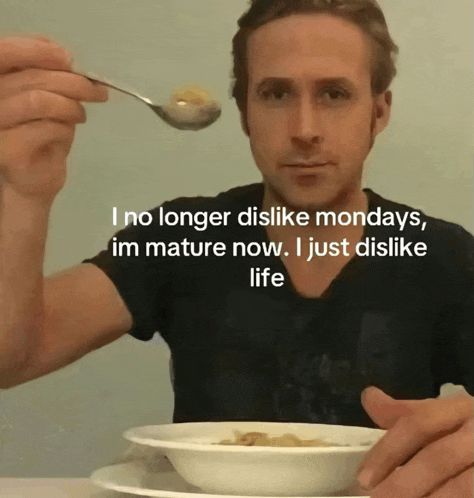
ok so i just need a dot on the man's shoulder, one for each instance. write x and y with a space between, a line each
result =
443 237
439 224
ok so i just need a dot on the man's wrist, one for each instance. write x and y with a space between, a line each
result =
28 212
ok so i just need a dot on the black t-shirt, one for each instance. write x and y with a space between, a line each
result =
404 324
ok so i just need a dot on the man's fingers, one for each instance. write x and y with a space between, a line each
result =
19 53
429 468
461 486
410 434
385 412
40 104
383 409
63 83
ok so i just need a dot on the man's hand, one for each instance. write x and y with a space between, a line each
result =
427 450
40 106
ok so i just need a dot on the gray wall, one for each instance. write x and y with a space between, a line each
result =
69 423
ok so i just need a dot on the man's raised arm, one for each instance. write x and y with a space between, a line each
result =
44 323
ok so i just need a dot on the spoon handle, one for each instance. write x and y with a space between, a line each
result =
103 81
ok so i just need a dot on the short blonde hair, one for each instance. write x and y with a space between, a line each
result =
366 14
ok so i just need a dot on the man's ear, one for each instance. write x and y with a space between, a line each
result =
243 123
382 108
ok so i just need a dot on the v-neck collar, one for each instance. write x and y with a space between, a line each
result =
354 264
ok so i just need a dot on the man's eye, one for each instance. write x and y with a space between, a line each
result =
334 94
276 95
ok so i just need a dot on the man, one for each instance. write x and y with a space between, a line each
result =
312 87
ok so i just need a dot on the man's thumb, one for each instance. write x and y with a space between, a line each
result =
382 408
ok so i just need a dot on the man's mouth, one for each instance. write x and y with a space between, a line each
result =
305 166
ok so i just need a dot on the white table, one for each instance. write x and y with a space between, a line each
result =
55 488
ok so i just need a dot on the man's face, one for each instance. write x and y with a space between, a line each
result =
310 113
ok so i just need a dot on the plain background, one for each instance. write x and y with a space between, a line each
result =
69 423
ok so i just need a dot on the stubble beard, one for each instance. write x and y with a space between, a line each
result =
330 201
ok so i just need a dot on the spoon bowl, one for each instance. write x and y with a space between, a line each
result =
189 107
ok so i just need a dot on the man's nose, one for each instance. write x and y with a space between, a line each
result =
306 125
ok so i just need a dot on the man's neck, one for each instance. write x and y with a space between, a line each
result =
358 202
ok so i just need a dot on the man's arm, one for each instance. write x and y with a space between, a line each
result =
44 323
82 312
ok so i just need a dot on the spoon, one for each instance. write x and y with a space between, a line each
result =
188 108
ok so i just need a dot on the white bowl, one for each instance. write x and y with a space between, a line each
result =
260 470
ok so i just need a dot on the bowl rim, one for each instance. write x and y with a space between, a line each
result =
130 435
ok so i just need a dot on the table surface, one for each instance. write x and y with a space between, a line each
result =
55 488
11 487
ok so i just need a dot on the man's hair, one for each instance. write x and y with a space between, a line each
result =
366 14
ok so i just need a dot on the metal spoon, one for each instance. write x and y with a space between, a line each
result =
188 108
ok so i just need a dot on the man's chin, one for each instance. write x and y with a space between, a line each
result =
322 198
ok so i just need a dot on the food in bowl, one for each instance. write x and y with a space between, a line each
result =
247 471
285 441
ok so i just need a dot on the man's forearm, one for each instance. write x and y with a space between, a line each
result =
23 228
